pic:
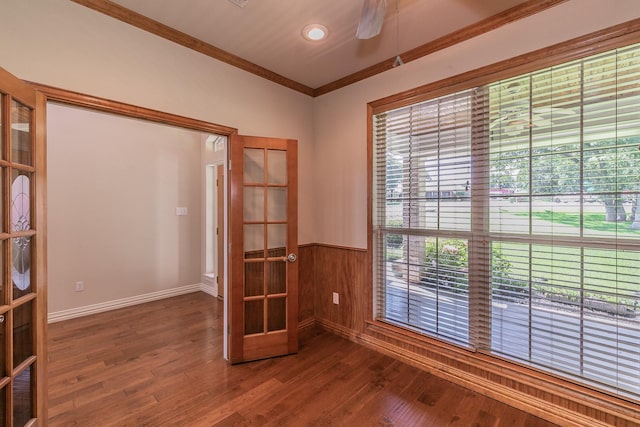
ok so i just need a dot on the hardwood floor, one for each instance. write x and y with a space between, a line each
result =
160 364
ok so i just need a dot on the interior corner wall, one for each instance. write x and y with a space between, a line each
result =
340 117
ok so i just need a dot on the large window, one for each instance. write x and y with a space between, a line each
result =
507 219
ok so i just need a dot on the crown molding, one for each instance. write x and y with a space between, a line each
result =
142 22
154 27
520 11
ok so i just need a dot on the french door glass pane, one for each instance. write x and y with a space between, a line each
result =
22 333
277 172
2 190
3 346
276 277
3 285
21 266
253 166
277 204
277 309
2 155
3 404
21 221
253 241
277 239
22 397
253 204
254 317
20 201
21 151
253 279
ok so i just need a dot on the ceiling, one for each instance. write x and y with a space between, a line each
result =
266 34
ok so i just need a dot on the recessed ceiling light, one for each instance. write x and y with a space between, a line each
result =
315 32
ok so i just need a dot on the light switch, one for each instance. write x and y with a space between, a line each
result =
181 211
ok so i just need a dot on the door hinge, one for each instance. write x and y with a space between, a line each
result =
216 231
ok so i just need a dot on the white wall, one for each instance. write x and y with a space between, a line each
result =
340 216
113 187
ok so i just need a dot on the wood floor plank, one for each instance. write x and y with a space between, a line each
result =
160 364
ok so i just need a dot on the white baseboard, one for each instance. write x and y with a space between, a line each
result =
210 289
59 316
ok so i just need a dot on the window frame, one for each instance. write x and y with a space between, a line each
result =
589 45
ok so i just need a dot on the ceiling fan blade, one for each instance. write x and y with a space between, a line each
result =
371 19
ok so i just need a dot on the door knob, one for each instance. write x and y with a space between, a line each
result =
291 257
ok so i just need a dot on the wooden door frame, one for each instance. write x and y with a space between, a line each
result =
53 94
77 99
41 257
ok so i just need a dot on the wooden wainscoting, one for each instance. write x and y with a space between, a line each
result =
306 290
345 271
348 271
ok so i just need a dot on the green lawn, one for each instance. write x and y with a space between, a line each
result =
600 270
592 221
571 269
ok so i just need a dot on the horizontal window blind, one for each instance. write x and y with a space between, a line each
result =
507 219
423 180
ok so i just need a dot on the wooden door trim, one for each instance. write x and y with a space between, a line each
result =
520 11
77 99
292 245
20 90
236 347
129 110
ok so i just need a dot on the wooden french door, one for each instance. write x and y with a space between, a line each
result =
22 254
263 315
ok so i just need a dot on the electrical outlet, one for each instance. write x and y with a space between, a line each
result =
336 298
79 286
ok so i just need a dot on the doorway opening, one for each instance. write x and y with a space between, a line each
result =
215 202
